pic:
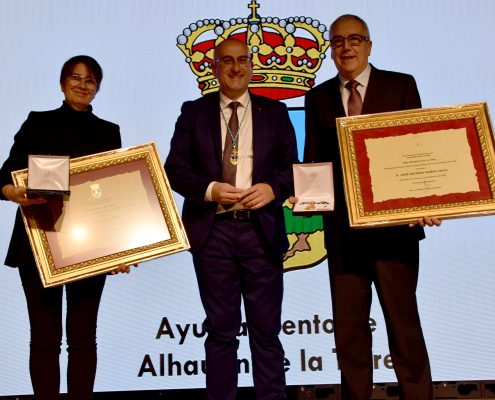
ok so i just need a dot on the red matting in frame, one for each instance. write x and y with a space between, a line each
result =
359 137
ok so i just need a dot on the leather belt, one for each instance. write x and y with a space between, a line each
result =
241 215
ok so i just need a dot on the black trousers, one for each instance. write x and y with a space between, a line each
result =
45 317
234 264
395 278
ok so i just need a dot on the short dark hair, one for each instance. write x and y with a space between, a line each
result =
347 17
90 63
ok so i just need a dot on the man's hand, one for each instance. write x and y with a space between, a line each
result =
257 196
293 200
424 221
224 193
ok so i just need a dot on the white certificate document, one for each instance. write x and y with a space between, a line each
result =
413 166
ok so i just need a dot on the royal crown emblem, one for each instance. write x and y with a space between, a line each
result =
286 52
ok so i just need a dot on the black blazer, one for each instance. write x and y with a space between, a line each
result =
195 160
387 91
63 131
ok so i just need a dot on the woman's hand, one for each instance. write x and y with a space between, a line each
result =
18 194
123 269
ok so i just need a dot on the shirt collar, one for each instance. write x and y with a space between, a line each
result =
363 78
66 107
225 101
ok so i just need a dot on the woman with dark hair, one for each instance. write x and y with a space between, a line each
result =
71 130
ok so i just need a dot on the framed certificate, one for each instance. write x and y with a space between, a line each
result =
120 211
400 166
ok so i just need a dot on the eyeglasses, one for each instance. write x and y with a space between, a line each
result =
228 61
89 81
353 40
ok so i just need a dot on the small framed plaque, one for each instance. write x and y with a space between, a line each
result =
48 175
400 166
313 186
121 211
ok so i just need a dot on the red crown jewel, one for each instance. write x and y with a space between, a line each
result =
286 52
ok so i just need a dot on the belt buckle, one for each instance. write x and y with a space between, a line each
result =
241 214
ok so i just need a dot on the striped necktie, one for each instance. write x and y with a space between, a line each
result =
229 170
355 103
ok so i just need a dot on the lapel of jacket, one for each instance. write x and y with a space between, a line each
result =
334 104
373 92
213 111
259 133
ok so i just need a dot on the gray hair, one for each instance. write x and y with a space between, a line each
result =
347 17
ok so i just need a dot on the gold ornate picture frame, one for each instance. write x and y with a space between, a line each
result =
400 166
121 210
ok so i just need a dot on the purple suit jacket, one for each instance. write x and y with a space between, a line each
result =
195 160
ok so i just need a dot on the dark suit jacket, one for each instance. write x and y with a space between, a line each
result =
195 160
387 91
57 132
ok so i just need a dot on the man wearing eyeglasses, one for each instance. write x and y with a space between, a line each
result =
387 257
231 158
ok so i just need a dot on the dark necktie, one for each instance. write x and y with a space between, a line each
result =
228 168
355 103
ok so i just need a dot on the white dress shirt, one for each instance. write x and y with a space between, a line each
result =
244 171
363 78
